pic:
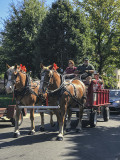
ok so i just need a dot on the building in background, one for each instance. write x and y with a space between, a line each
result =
117 73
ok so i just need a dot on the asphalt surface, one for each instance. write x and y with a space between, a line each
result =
100 143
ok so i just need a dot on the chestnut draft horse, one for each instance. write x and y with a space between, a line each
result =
64 94
26 93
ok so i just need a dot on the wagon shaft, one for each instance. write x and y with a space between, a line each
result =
40 107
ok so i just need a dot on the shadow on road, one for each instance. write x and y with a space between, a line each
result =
25 139
100 143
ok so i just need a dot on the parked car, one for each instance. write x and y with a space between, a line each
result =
114 99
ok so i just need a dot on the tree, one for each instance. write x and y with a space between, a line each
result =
64 35
3 59
20 31
104 18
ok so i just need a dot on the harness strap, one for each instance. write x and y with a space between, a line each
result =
73 97
74 88
26 89
47 100
62 89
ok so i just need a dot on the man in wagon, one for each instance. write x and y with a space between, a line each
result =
87 70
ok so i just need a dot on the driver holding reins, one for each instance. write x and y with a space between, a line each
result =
87 70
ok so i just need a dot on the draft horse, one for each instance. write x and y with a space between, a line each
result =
26 93
64 94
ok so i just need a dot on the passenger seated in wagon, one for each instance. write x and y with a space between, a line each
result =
87 70
69 71
98 81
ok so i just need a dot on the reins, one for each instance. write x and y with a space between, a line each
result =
63 89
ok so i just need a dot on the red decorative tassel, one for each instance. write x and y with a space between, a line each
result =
55 67
13 97
47 100
23 68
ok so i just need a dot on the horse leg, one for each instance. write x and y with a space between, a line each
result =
42 122
79 126
51 119
61 118
68 126
16 132
32 131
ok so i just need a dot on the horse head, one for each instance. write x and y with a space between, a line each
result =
12 77
49 78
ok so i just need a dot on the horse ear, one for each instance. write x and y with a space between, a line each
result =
41 66
7 65
15 66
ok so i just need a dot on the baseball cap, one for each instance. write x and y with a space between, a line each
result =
86 59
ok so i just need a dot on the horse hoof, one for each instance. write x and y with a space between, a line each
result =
68 130
31 133
42 129
53 125
59 138
16 135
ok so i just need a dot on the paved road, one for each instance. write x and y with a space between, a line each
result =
100 143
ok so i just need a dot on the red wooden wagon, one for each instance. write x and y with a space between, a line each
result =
96 104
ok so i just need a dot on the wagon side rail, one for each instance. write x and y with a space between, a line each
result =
97 97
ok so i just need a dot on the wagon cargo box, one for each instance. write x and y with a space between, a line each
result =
3 111
11 111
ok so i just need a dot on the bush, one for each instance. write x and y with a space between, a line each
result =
6 100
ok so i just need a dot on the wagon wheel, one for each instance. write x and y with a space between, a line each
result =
106 114
20 119
93 118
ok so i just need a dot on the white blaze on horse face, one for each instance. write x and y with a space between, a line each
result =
10 86
41 83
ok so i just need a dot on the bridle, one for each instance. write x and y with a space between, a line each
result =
43 81
10 78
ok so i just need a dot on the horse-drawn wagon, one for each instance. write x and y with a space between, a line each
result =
61 95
